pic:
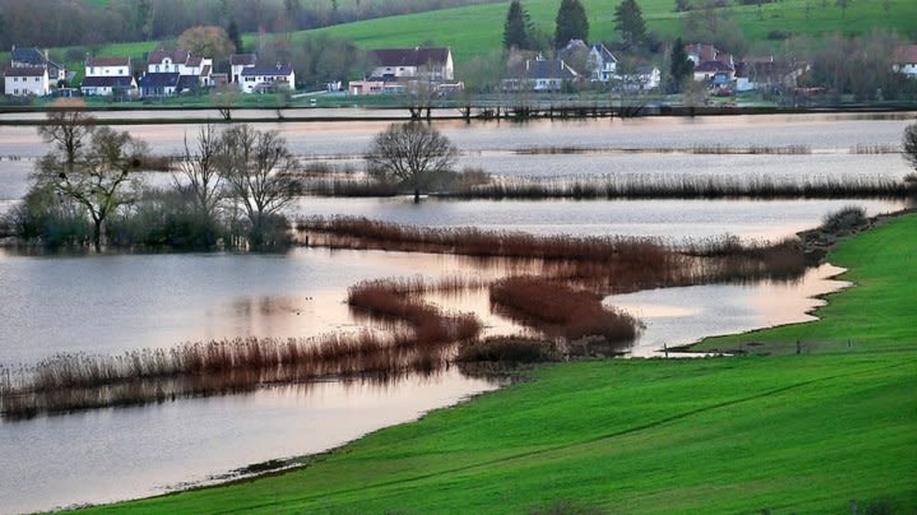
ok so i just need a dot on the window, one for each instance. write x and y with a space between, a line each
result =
123 71
36 79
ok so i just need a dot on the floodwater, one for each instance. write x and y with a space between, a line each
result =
113 303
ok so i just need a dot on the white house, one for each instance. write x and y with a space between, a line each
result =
604 64
107 76
433 64
906 60
260 79
24 81
239 62
541 75
27 57
183 63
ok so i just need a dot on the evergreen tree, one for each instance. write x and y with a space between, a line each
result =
518 26
233 32
629 23
680 67
571 23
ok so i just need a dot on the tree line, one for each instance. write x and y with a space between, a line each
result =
56 23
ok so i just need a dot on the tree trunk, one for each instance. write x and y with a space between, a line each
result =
97 235
416 195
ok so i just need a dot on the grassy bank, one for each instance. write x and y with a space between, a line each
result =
800 434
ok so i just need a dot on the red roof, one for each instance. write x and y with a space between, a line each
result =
108 61
177 56
24 71
906 54
242 59
410 56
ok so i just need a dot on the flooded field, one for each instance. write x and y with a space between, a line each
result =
107 304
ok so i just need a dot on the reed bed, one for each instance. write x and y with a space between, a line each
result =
861 148
363 233
559 310
646 186
69 382
508 350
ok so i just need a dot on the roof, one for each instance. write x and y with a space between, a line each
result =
410 56
703 51
280 69
177 56
193 61
108 82
713 66
603 51
187 82
205 71
159 80
548 69
906 54
243 59
108 61
28 55
25 71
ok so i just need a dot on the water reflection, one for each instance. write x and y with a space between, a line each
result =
112 454
678 316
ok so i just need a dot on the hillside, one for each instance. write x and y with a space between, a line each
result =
478 29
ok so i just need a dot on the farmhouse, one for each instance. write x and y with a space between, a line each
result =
30 57
261 79
183 63
434 64
541 75
24 81
238 63
108 76
906 60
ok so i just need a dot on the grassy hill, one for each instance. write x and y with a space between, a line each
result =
478 29
787 434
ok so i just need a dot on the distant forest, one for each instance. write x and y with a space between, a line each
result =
56 23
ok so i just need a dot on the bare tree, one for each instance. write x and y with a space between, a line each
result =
199 171
95 178
412 153
258 168
910 145
226 98
67 129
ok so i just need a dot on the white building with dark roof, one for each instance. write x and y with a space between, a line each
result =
30 57
262 79
183 63
433 64
541 75
239 62
26 81
108 76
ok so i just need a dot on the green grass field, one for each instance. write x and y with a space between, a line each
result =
790 434
478 29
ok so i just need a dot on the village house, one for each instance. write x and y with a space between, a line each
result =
174 72
906 60
30 57
239 62
710 63
433 64
398 70
595 62
108 76
25 81
262 79
541 75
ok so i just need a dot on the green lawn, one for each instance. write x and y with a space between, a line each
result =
791 434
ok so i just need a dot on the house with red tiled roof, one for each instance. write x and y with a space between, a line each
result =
906 60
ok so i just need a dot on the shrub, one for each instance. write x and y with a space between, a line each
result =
508 350
845 220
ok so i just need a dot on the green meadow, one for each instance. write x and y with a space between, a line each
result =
808 433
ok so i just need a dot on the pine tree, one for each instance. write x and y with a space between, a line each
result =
233 32
571 23
629 23
517 28
680 67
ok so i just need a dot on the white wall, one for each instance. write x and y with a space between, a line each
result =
26 86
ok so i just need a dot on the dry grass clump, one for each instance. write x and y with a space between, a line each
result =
845 220
559 310
393 300
752 150
511 350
